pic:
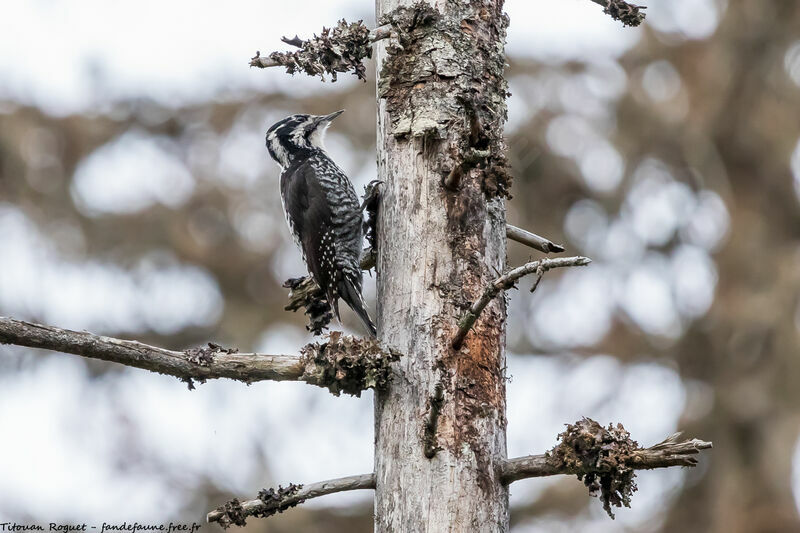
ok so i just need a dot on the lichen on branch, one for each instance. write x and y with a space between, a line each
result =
600 457
628 14
273 501
605 459
342 48
231 513
348 364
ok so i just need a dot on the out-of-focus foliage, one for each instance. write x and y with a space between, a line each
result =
676 167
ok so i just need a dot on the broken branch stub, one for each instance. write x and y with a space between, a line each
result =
531 239
305 293
348 364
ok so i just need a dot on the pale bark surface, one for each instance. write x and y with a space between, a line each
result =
437 250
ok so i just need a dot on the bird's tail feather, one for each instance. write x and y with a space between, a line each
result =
333 300
352 296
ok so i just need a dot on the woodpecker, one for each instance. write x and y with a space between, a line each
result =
321 208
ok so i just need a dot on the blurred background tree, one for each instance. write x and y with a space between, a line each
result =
137 199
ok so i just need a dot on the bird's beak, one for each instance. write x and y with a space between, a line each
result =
328 118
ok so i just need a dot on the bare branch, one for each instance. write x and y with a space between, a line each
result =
343 364
531 239
340 49
507 281
604 458
239 366
628 14
273 501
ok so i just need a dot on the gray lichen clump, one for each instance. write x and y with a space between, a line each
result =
348 364
275 500
628 14
339 49
305 293
232 514
599 456
443 81
370 206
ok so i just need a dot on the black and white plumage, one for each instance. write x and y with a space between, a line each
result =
321 208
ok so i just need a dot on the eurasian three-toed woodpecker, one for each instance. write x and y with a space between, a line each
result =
321 208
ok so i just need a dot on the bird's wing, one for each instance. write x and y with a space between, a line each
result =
309 216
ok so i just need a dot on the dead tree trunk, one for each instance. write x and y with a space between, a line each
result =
441 230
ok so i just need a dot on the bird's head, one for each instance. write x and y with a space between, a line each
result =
297 134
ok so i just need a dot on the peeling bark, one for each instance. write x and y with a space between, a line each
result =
441 96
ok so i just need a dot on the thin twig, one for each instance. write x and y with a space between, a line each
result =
260 507
505 282
531 239
665 454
